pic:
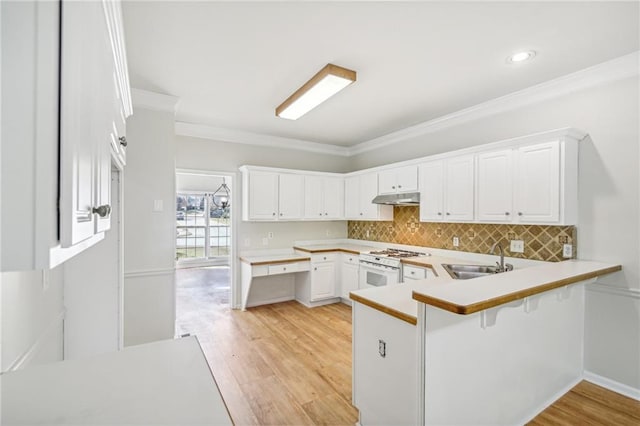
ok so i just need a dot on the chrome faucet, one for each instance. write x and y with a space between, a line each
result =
501 266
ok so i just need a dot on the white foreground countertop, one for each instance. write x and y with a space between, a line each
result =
344 247
166 382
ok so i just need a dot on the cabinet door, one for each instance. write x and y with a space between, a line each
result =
431 191
387 182
348 279
494 186
538 183
313 203
407 179
352 198
82 119
291 196
263 195
333 198
368 191
323 281
459 189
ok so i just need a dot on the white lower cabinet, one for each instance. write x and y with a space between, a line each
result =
348 275
319 285
416 273
385 368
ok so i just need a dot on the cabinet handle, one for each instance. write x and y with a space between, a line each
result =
123 141
519 213
413 272
399 186
280 214
393 187
102 211
360 214
284 269
324 258
274 213
315 269
320 214
507 213
448 214
326 214
439 213
351 259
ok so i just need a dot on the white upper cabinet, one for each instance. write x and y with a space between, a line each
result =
262 191
360 190
432 191
401 179
323 198
459 188
537 181
494 197
291 196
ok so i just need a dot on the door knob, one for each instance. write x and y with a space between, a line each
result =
102 211
123 141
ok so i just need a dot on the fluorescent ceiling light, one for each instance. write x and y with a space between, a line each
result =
327 82
521 57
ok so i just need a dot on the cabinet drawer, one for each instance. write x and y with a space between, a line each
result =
413 272
350 258
284 268
324 257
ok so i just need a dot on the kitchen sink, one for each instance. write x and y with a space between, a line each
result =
465 272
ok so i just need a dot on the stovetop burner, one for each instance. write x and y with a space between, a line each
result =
398 253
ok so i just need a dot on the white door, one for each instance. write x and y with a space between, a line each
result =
323 281
431 191
313 205
263 195
387 182
333 198
538 183
407 179
291 196
368 191
352 198
495 186
459 189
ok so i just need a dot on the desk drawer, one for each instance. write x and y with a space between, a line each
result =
284 268
414 273
324 257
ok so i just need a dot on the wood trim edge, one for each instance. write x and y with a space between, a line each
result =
274 262
501 300
382 308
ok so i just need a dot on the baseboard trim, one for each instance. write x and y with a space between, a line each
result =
612 385
533 413
22 360
149 272
614 290
271 301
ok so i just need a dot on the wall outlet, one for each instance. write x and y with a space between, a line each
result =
247 242
270 235
158 205
367 233
517 246
567 250
265 241
456 241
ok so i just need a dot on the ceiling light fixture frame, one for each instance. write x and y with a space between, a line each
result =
341 77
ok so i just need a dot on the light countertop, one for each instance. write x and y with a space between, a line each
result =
269 259
344 247
469 296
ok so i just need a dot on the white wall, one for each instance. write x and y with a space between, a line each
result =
609 197
199 182
32 318
149 236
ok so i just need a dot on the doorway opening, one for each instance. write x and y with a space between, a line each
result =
204 248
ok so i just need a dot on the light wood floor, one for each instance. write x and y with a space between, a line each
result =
285 364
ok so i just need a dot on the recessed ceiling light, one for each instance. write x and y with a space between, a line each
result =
520 57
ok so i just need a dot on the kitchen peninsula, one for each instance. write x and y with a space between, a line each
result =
495 349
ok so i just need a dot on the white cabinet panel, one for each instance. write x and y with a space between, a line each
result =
352 198
359 192
290 196
495 186
459 189
333 198
538 183
323 280
313 203
432 191
324 198
401 179
263 195
368 191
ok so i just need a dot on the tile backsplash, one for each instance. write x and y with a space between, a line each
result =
541 242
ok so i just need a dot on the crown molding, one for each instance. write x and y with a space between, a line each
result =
258 139
154 101
606 72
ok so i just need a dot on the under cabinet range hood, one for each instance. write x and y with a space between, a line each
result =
407 199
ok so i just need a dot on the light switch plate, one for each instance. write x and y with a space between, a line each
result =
517 246
158 205
456 241
270 234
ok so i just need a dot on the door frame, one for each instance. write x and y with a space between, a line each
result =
234 179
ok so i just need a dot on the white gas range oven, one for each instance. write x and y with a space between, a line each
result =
384 267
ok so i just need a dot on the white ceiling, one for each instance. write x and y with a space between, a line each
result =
232 63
